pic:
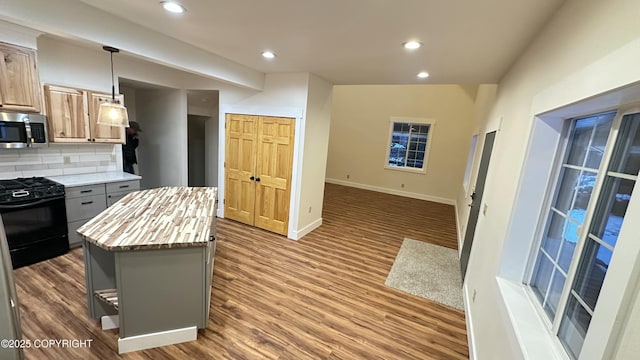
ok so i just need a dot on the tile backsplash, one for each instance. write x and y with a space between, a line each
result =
57 159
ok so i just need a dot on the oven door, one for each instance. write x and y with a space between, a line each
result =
36 229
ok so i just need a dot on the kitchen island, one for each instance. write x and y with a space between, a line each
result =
149 263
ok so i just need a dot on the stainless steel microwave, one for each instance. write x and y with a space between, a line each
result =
22 130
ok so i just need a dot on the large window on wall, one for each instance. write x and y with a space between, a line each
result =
408 144
596 175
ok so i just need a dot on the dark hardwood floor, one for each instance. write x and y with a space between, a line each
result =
322 297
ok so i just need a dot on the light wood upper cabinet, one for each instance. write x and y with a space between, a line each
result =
73 115
19 79
66 114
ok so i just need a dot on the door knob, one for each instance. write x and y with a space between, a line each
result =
251 178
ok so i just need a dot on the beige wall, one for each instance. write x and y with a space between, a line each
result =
162 153
314 162
308 98
485 99
360 129
589 48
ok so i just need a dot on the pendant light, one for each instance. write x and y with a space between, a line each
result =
111 112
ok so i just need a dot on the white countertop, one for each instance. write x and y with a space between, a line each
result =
93 178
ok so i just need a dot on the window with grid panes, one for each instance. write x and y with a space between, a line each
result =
409 145
593 188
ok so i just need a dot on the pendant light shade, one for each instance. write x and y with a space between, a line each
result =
111 112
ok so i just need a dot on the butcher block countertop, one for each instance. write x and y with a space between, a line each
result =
167 217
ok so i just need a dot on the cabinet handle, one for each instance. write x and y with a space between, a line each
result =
124 186
87 202
257 179
85 191
109 196
252 178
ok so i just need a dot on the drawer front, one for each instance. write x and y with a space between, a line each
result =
131 185
85 207
112 198
79 191
74 239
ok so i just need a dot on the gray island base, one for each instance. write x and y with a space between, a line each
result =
149 265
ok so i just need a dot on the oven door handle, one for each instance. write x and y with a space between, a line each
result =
29 204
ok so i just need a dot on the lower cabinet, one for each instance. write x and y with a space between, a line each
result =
117 190
85 202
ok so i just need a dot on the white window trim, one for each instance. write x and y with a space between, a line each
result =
584 228
529 325
427 153
612 306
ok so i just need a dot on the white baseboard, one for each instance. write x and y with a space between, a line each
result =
153 340
297 235
458 229
392 191
110 322
470 329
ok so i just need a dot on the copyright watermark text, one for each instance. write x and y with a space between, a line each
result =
45 343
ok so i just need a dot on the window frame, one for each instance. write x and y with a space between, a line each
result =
617 263
427 151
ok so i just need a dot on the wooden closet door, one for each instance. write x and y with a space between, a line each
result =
273 173
240 160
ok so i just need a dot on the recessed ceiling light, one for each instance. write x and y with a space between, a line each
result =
423 75
412 45
268 54
173 7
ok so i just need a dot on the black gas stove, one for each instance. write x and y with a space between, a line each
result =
35 220
26 189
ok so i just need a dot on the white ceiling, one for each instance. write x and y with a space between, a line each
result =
354 41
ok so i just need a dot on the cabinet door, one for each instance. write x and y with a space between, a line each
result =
103 133
19 79
66 114
74 238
